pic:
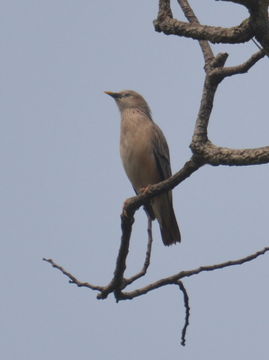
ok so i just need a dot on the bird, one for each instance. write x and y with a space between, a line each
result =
146 160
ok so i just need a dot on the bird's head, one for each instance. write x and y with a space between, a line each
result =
128 99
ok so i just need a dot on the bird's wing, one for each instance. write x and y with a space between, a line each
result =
161 153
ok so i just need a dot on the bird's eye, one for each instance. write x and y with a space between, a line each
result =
126 95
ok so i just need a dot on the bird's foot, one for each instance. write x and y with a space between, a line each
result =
145 190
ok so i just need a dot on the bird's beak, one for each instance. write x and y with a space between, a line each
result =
115 95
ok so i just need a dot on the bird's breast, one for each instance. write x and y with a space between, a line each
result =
136 150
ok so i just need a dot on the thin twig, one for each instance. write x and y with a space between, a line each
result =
147 257
173 279
242 68
204 44
72 278
187 312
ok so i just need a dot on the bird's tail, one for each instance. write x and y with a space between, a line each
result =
164 212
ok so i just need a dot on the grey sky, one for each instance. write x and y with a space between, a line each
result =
62 186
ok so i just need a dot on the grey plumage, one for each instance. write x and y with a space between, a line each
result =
145 156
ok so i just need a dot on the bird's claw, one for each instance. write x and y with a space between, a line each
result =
145 190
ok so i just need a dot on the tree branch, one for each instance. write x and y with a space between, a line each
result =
205 47
242 68
127 218
72 278
173 279
258 10
168 25
215 34
147 258
201 145
187 312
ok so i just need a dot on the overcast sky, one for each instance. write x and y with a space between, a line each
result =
62 186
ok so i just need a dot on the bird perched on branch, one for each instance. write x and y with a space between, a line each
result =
145 156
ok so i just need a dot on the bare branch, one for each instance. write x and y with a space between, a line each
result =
188 11
173 279
200 131
205 47
257 25
214 34
201 146
127 218
217 155
147 258
259 22
183 274
187 312
117 283
258 10
72 278
164 10
243 68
